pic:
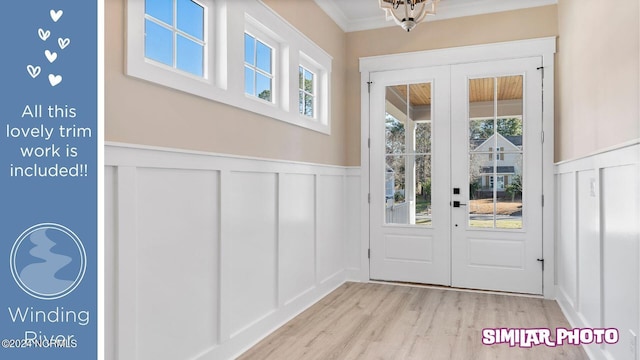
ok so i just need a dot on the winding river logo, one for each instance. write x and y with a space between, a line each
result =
48 261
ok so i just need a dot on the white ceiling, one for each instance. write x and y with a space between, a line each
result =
355 15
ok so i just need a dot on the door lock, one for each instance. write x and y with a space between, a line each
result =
457 204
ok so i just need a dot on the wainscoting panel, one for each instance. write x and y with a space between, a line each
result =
252 229
597 237
620 218
331 227
297 235
206 254
110 236
589 250
177 247
354 251
566 249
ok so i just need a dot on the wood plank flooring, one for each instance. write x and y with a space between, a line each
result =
384 321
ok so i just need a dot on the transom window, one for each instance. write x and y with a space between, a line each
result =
179 44
174 34
258 68
307 92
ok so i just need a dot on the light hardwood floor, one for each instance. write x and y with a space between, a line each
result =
384 321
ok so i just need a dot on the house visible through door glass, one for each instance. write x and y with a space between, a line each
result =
496 152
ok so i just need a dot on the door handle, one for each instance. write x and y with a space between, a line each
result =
457 204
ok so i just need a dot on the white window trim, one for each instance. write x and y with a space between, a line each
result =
175 32
257 70
223 79
139 66
279 63
322 76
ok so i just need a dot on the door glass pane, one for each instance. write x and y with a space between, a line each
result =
509 205
481 211
495 152
408 155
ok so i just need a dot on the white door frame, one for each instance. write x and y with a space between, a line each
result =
544 47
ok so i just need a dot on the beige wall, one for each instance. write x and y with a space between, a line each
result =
472 30
597 82
597 76
139 112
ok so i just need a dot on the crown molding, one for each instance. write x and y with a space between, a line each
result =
447 9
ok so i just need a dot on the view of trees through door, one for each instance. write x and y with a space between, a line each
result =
408 154
495 153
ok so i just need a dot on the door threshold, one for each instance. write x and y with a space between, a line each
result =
451 288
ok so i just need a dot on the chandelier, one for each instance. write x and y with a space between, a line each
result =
408 13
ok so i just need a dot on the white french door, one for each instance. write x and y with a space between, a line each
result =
410 222
496 162
455 175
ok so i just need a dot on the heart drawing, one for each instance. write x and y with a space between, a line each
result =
63 43
34 71
51 56
55 15
44 34
55 79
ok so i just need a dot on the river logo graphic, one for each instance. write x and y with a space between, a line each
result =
48 261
